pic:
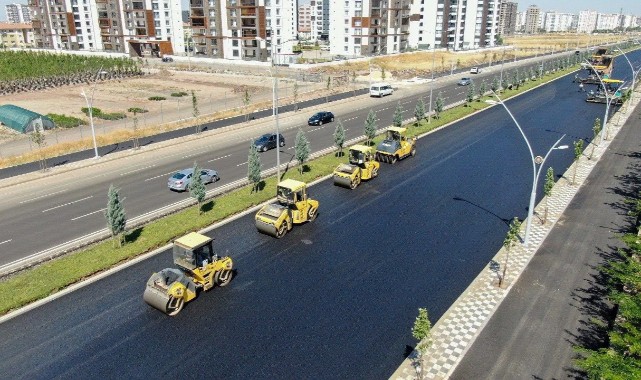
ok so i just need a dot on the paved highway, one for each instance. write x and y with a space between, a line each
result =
335 298
63 208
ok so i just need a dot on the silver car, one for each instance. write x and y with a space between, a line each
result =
180 181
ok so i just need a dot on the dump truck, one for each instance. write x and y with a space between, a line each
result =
396 146
293 207
199 268
362 166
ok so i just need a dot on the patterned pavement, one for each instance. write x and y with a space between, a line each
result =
454 333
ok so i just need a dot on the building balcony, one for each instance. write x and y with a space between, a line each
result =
195 4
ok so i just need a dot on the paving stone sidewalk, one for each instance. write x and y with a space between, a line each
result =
454 333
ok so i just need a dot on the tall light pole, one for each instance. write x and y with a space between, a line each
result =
634 73
536 171
90 107
429 119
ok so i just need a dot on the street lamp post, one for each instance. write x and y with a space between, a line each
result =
536 171
429 119
634 73
90 107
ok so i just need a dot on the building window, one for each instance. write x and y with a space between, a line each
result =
234 53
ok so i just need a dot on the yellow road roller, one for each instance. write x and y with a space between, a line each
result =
396 146
362 166
293 207
199 268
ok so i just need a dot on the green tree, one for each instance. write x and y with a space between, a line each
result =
383 75
195 110
339 137
295 95
494 86
422 332
370 127
302 149
253 167
547 190
38 137
482 89
329 88
115 215
246 101
136 142
578 151
397 119
516 79
197 188
419 111
469 97
439 105
510 240
596 129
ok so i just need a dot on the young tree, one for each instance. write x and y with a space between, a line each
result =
195 110
596 129
246 101
469 97
135 126
339 137
419 111
253 167
532 73
510 240
482 89
329 88
578 151
516 79
302 149
397 119
370 126
422 332
494 86
439 105
115 215
38 137
547 190
197 188
295 95
383 73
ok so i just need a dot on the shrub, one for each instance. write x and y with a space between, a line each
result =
113 116
64 121
179 94
96 112
157 98
137 110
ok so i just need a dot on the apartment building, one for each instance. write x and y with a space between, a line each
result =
16 35
608 21
532 19
369 27
454 24
507 18
305 19
587 21
136 27
18 13
244 29
559 22
320 19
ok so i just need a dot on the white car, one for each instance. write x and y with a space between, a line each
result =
475 70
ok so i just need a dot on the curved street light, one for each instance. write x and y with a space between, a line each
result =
608 100
634 73
536 171
90 108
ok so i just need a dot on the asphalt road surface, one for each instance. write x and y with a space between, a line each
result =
335 298
64 208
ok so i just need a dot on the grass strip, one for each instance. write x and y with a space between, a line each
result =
43 280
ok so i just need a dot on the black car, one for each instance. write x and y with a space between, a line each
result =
320 118
268 141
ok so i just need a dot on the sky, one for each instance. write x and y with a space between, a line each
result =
569 6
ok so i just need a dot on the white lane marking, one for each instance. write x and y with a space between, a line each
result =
241 164
218 158
67 204
6 241
137 170
42 196
91 213
194 153
158 176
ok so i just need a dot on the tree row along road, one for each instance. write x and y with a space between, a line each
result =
65 207
335 298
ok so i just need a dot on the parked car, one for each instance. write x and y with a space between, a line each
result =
167 59
320 118
381 89
268 141
475 70
180 180
465 82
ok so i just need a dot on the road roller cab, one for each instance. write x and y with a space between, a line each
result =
362 166
198 268
293 207
396 146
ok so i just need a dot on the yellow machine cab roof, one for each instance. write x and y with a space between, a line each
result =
192 240
608 80
291 184
397 129
361 148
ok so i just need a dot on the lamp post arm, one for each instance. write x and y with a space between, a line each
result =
631 67
518 126
538 172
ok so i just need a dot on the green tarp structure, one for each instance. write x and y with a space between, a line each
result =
23 120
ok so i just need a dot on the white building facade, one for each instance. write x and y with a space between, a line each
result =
559 22
587 21
320 20
18 13
608 21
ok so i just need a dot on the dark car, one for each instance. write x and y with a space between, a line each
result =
320 118
268 141
464 82
167 59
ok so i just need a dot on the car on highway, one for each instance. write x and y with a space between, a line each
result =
180 181
465 82
475 70
319 118
268 141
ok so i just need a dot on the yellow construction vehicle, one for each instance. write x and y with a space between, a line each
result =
293 207
396 146
199 268
362 166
